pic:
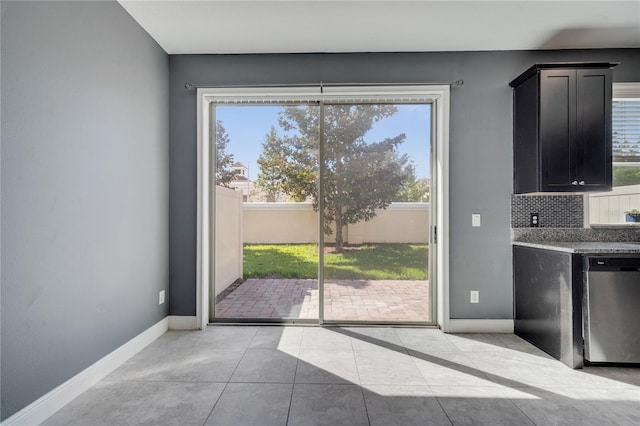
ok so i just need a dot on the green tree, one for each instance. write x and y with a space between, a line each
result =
224 160
358 177
273 165
626 175
413 190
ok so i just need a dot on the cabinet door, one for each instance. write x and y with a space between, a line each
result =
557 130
526 152
593 138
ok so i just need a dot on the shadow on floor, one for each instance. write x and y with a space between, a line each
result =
271 375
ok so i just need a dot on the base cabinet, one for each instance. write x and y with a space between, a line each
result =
548 302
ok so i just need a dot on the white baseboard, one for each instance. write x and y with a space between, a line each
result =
183 322
480 326
48 404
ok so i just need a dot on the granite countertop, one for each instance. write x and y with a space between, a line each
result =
582 247
629 225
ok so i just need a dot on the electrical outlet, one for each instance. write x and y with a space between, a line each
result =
161 297
475 296
534 220
475 219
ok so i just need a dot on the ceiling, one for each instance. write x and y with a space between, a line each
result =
385 26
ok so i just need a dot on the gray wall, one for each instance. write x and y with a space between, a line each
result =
85 177
480 147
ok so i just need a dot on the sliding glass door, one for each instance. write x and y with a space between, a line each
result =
321 211
266 233
375 187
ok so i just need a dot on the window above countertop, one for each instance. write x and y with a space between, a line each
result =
609 208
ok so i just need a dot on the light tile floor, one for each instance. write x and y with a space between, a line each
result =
271 375
345 300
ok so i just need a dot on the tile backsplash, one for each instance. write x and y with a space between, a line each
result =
554 211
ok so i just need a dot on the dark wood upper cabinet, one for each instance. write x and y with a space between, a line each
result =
562 128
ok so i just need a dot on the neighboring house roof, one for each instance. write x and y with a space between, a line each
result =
239 164
239 178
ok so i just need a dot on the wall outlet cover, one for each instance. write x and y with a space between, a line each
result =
161 297
475 296
534 220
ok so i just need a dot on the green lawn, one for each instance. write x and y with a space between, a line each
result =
370 261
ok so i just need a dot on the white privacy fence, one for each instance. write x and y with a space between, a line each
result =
228 237
290 223
609 207
282 223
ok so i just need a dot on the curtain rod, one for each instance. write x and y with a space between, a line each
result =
193 86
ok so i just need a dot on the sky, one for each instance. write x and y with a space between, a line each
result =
247 126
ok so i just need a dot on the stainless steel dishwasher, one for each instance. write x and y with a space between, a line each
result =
611 309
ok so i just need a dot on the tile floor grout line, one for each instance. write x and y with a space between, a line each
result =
215 403
295 373
238 364
442 408
293 385
166 381
231 375
266 383
424 378
522 411
413 361
364 400
355 360
415 364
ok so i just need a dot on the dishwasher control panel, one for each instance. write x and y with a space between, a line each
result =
595 263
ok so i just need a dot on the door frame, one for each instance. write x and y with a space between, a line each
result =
437 95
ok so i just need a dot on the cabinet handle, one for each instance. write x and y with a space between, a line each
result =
581 182
575 182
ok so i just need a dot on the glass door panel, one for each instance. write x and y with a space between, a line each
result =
266 223
373 191
375 186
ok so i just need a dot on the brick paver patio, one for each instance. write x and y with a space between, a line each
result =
347 300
